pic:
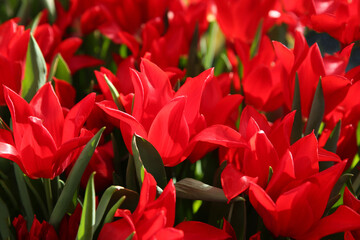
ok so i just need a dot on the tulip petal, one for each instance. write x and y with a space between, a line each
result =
343 219
37 152
20 111
169 132
77 116
194 230
47 107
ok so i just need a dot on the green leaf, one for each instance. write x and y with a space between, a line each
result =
271 172
190 188
256 42
296 132
10 195
50 5
35 70
316 112
38 199
194 66
114 93
60 69
131 201
35 23
336 195
73 180
5 223
131 175
87 222
110 215
130 236
331 143
103 204
211 46
24 195
237 218
147 156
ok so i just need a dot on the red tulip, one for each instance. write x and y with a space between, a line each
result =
340 19
43 137
13 45
170 120
300 205
43 231
154 219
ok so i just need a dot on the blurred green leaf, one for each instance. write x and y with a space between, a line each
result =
296 132
36 194
131 174
10 195
35 70
24 196
130 236
257 40
194 66
50 5
35 23
60 69
211 46
73 180
317 111
145 155
87 222
189 188
237 218
5 223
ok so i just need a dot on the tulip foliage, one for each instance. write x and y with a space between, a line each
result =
179 119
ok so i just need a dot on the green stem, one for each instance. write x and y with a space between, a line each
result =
48 194
37 196
24 196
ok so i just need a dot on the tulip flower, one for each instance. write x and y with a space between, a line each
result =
38 230
340 19
299 206
169 120
42 137
13 45
154 218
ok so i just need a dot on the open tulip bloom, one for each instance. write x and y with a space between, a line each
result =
179 119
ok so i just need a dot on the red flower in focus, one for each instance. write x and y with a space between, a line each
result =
170 120
154 218
42 136
13 45
297 211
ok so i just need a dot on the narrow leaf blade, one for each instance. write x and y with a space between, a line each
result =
317 111
87 222
331 143
73 180
296 132
110 215
4 221
24 195
103 204
150 158
35 70
189 188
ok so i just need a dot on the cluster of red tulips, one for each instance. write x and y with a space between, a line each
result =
179 119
